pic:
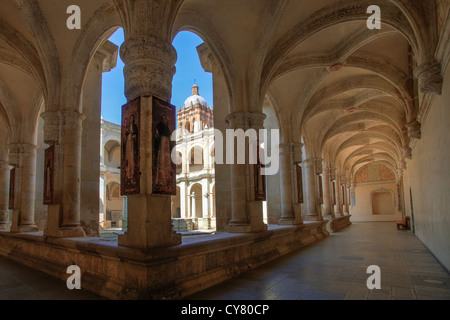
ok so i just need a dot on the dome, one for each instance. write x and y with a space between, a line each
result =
195 98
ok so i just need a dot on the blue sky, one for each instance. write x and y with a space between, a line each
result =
188 68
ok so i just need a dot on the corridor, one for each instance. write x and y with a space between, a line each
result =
332 268
335 269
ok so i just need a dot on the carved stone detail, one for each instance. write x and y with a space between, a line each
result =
149 67
406 153
71 120
413 128
245 120
430 77
51 127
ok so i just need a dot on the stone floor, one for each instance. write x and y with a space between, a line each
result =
333 268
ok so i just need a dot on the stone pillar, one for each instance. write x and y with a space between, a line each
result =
239 220
183 207
326 191
247 212
193 206
102 193
188 205
311 195
23 157
211 204
149 68
103 61
288 210
338 205
345 195
4 195
63 129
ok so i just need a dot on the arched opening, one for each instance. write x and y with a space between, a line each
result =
112 155
196 161
192 95
112 98
176 211
114 206
196 203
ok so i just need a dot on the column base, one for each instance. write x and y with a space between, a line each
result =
25 228
69 232
5 226
310 217
288 222
17 227
149 223
239 228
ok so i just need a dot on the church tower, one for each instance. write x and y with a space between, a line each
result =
195 115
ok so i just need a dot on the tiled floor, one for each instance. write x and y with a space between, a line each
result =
336 268
332 268
18 282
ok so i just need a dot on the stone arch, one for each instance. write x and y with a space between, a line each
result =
96 31
196 203
327 17
112 153
114 204
196 155
193 21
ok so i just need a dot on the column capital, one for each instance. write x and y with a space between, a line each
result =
236 120
16 150
430 77
244 120
149 66
71 119
51 127
256 120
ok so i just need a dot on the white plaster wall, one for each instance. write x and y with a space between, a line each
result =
363 209
428 176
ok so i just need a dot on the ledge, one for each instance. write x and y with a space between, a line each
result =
338 223
164 273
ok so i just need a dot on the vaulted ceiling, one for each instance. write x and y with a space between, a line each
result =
348 92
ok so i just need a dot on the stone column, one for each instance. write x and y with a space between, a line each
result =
338 206
4 194
311 195
183 199
23 157
188 205
211 204
239 219
102 193
63 129
247 212
149 68
72 124
103 61
288 210
326 191
193 207
345 195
